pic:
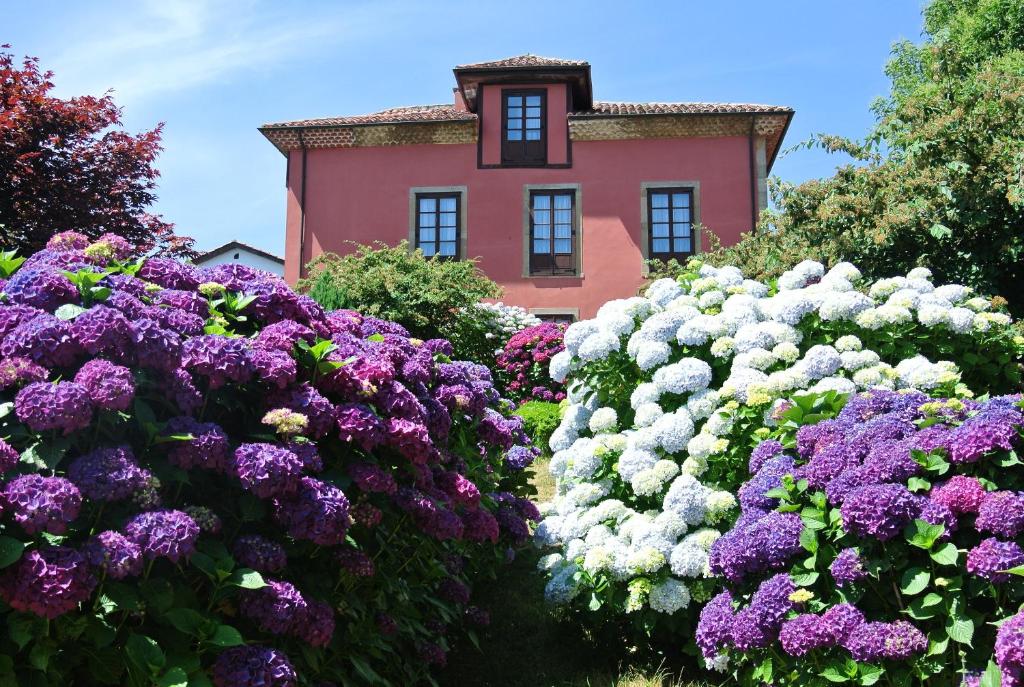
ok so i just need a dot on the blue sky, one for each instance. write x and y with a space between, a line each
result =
214 71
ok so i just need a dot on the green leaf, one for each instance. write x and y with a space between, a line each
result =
145 653
923 534
832 674
225 635
24 627
123 596
869 674
6 409
41 653
940 231
68 311
914 581
992 677
158 594
1018 570
809 540
960 629
595 603
186 620
246 579
364 670
10 550
175 677
947 554
918 484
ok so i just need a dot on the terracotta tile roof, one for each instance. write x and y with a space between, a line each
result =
394 115
611 109
526 60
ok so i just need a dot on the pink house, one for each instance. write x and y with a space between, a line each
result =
561 197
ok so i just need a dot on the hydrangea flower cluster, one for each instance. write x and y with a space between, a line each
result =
504 320
203 457
523 363
668 392
895 558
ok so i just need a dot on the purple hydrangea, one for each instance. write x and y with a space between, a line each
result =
48 581
993 428
272 367
715 625
114 554
879 510
273 301
840 621
282 336
67 240
43 339
42 504
758 624
260 554
769 448
208 447
454 591
189 301
180 388
1002 514
110 386
848 567
102 330
155 347
167 534
458 488
520 457
372 478
253 666
803 634
1009 649
316 626
267 470
411 440
169 273
357 422
107 474
991 556
63 406
41 287
960 493
752 493
896 641
275 608
306 400
355 562
15 372
317 512
480 526
760 545
218 358
178 321
9 456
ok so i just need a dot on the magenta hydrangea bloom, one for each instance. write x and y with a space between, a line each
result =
960 493
357 422
411 440
67 240
267 470
253 666
1009 650
168 534
260 554
896 641
355 562
272 367
454 591
991 556
108 474
110 386
63 406
316 624
208 447
318 512
49 581
9 456
114 554
17 371
275 608
458 488
1002 514
432 654
170 274
372 478
42 504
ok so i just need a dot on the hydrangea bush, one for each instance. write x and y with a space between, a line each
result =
670 392
483 329
523 363
879 546
207 479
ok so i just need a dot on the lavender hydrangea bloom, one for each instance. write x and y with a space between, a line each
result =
847 567
267 470
114 554
49 581
110 386
43 339
275 608
40 287
1009 649
107 474
273 367
880 511
17 371
520 457
61 406
1001 513
896 641
42 504
803 634
253 666
208 447
990 556
318 512
102 330
752 493
218 358
840 621
260 554
767 449
167 534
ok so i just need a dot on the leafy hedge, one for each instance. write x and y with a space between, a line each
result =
207 478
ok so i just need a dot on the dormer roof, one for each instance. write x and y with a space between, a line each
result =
526 69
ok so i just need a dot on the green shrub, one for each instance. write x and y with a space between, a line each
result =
540 419
426 296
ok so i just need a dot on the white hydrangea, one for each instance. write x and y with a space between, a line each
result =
674 430
786 352
663 291
718 504
560 366
855 360
848 343
821 361
702 403
644 393
920 373
646 414
687 560
633 461
597 346
669 596
723 347
651 354
686 376
603 420
646 483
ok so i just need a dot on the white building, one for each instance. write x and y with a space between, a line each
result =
236 252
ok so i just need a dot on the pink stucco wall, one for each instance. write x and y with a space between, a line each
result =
362 195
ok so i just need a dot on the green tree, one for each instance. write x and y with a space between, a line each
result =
428 296
938 182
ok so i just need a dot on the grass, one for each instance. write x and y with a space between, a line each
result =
530 645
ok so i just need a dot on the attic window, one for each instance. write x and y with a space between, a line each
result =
236 256
523 126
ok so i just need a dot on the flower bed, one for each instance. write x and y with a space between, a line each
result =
523 363
670 392
206 477
878 546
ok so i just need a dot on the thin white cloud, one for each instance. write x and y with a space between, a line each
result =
160 47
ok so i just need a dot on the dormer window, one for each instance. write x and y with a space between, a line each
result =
524 134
